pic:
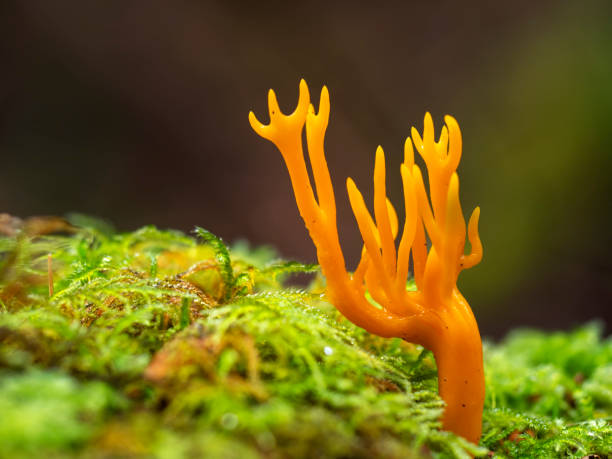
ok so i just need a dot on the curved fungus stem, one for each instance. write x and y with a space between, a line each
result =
436 315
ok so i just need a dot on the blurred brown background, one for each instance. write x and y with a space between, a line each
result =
137 112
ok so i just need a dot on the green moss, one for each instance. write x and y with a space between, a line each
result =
158 344
50 412
549 395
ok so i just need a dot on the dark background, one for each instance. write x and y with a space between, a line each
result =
137 112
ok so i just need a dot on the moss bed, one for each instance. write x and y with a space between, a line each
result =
159 344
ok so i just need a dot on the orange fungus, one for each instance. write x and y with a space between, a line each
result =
436 315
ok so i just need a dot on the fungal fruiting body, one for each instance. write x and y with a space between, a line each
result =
436 315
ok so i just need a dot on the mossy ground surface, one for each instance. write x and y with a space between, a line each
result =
158 344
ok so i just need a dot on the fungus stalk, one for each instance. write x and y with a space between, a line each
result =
436 315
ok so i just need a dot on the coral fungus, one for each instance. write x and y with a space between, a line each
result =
436 315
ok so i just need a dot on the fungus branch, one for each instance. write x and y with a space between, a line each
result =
436 315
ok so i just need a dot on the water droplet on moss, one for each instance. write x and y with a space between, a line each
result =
229 421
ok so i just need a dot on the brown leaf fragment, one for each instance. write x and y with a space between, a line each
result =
517 435
10 225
